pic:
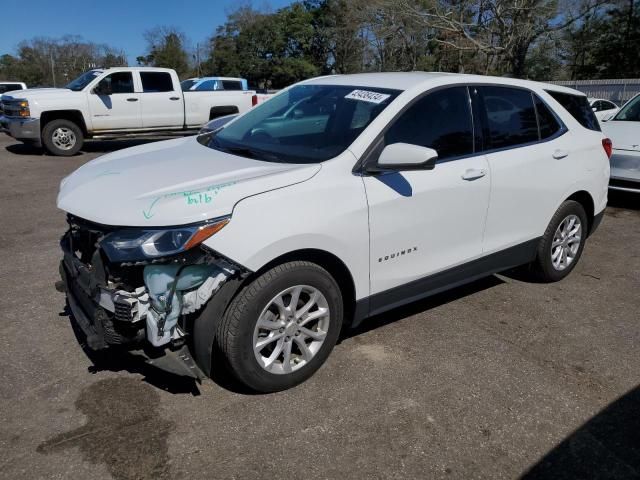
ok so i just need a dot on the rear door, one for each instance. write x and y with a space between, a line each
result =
426 221
531 162
119 110
162 104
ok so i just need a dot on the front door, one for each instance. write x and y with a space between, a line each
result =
118 110
426 221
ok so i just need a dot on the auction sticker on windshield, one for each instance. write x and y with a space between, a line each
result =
367 96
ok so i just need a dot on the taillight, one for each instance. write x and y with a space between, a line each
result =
254 100
607 144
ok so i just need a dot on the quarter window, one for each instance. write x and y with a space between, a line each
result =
440 120
510 117
578 107
547 121
156 82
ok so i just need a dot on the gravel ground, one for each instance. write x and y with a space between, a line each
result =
498 379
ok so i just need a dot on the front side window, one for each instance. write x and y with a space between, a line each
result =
206 86
631 111
121 82
304 124
153 82
510 117
578 107
441 120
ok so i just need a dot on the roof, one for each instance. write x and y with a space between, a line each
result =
410 80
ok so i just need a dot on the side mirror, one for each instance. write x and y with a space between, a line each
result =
405 156
595 109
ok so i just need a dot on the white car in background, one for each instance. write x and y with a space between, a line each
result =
624 132
340 198
604 109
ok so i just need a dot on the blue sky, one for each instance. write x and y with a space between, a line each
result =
116 22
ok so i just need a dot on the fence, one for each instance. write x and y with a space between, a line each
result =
618 90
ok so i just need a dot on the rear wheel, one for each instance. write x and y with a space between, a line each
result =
281 328
562 243
62 137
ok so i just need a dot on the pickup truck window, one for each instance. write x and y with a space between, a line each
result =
7 87
206 86
231 85
156 82
83 80
305 124
187 84
121 82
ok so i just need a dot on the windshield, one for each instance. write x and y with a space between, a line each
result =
83 80
631 111
304 124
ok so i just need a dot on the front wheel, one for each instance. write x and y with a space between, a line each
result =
281 327
562 243
62 138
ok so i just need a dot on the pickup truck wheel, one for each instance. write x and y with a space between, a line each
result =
281 327
562 243
62 137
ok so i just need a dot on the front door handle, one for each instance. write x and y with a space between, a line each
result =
474 173
174 98
558 154
132 99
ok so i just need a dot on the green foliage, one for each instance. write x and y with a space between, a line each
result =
166 49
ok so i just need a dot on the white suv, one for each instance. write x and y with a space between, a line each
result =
250 247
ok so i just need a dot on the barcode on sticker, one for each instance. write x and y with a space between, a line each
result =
367 96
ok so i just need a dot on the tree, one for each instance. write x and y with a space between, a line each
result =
166 48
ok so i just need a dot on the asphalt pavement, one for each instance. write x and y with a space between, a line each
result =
502 378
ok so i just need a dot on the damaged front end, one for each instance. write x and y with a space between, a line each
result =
138 288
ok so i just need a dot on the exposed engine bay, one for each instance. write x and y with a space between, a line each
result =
137 304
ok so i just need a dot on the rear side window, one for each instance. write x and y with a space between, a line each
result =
510 117
231 85
578 107
440 120
156 82
547 121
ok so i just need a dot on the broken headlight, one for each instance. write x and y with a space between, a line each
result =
133 244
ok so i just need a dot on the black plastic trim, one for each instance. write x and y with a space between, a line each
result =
395 297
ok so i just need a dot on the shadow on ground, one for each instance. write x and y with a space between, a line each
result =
124 430
607 447
119 360
91 146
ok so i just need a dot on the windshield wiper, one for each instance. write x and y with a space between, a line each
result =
246 152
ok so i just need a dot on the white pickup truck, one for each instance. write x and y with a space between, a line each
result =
112 103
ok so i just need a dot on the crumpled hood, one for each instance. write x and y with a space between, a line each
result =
174 182
624 135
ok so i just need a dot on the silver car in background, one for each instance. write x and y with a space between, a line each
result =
624 132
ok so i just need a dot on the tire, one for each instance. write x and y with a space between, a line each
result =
62 138
238 331
546 266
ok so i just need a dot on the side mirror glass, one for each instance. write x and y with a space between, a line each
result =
405 156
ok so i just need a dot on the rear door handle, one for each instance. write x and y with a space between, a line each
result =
474 173
558 154
132 99
174 98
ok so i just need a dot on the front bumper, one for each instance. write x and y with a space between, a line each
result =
21 128
625 171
